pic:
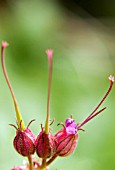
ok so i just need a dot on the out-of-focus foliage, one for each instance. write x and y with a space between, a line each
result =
84 57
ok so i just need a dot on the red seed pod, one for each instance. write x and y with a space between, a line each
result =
24 141
45 145
65 142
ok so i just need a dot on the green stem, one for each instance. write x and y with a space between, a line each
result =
30 162
43 165
44 168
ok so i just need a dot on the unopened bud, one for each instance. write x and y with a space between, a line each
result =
45 145
66 139
24 141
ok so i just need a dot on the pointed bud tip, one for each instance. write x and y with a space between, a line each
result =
111 78
4 44
49 53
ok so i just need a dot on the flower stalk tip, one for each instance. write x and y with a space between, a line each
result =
18 114
111 78
4 44
49 53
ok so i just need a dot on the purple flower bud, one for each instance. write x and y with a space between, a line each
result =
71 126
66 139
45 145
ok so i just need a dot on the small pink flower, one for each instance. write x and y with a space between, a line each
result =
71 126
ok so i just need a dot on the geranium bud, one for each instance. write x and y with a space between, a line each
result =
45 145
24 141
66 139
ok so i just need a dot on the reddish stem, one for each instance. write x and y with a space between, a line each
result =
94 113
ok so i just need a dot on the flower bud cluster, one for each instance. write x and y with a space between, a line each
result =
46 145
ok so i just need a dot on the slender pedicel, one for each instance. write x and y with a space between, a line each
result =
30 162
18 114
49 54
94 113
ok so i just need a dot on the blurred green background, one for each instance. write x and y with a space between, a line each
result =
82 34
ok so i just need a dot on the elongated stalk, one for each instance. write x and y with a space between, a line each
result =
94 113
49 54
18 114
